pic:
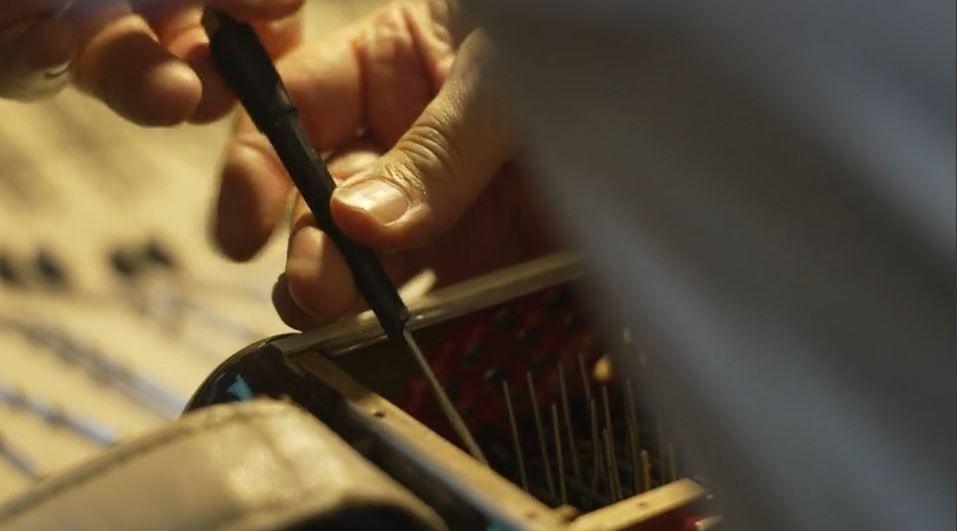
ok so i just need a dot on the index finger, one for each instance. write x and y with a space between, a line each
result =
324 81
177 24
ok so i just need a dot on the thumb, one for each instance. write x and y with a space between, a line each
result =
422 186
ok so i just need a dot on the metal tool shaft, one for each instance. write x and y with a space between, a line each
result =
540 431
249 71
569 428
444 402
558 456
516 439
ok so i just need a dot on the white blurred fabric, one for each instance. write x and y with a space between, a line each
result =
767 190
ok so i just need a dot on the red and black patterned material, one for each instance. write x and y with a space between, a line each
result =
530 334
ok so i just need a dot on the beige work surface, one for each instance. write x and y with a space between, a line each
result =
79 182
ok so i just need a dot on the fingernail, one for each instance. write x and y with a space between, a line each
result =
380 199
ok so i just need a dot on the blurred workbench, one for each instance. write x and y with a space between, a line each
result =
76 184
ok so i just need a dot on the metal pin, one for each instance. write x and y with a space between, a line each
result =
516 439
607 408
569 430
672 463
540 430
18 460
593 424
613 492
616 479
596 451
631 419
586 381
451 414
662 448
707 523
633 455
645 471
558 456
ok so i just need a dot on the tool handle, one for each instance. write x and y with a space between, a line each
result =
249 72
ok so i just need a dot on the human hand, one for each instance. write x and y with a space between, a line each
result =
148 60
419 143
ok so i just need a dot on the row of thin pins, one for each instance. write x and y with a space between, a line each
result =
568 472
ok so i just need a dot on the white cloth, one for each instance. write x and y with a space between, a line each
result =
767 189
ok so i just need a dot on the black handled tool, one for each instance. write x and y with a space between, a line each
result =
250 73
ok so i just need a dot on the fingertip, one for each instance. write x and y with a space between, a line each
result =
319 280
288 311
356 222
170 95
192 46
251 202
216 99
127 68
378 215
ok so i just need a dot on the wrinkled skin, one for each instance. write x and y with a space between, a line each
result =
400 99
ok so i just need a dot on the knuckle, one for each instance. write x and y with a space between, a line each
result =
434 155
